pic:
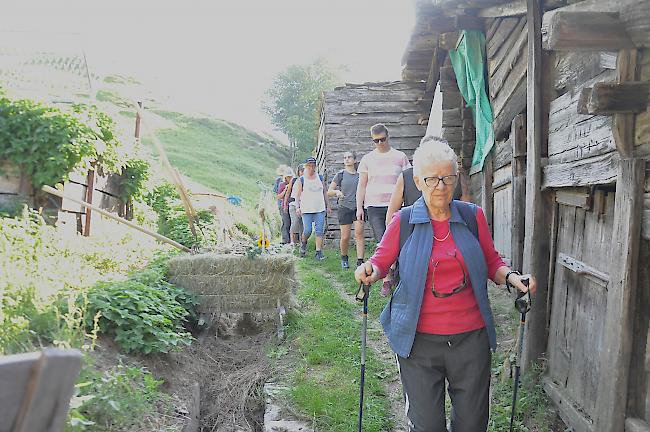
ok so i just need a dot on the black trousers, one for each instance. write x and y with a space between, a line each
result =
286 224
463 360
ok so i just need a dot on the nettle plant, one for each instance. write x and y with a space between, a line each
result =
47 143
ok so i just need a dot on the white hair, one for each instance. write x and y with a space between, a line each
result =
433 149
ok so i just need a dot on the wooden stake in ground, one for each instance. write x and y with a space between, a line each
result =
157 236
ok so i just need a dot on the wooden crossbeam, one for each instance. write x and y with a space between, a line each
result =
448 40
614 98
584 31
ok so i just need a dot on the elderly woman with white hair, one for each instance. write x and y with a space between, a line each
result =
439 322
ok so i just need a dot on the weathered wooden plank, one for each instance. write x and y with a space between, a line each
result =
451 100
612 395
512 67
452 133
369 119
636 425
584 30
573 136
503 32
594 170
623 124
515 105
487 198
573 68
574 197
399 131
645 218
451 118
614 98
434 74
349 107
503 153
493 62
448 40
518 138
568 411
373 95
536 241
636 17
501 222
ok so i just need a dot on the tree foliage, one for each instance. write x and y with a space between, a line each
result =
292 102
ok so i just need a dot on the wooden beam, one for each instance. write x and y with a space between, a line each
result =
575 198
611 399
536 240
517 7
487 191
636 425
448 40
584 30
434 75
623 124
614 98
569 413
518 138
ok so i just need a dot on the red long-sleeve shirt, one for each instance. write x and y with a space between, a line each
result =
458 313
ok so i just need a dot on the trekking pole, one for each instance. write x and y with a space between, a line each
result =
522 304
362 294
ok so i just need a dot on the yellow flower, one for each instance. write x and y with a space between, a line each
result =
263 241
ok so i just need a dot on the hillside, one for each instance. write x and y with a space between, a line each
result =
218 154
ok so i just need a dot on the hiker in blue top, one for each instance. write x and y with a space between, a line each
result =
439 322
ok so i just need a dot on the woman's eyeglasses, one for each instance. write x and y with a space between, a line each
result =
433 182
380 140
456 290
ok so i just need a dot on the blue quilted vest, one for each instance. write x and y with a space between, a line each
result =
400 316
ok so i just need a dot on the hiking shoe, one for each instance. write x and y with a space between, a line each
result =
319 256
303 250
345 265
359 261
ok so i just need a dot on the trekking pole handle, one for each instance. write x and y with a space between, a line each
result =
363 292
523 302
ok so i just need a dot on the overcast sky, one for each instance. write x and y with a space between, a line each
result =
219 56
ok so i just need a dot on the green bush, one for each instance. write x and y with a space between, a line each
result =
143 318
47 143
120 399
173 221
135 175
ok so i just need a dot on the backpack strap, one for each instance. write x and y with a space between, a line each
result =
468 213
405 227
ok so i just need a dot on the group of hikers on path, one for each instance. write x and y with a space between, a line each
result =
438 254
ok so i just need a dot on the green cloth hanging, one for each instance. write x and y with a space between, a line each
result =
468 61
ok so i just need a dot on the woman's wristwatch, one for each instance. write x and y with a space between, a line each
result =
508 284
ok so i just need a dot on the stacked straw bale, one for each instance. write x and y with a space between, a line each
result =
233 283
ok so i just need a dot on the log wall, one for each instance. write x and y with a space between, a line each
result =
348 112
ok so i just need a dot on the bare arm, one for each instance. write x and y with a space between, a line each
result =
396 199
298 195
515 280
332 191
361 193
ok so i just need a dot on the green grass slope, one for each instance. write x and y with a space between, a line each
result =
220 155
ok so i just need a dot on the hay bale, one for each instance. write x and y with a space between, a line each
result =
233 283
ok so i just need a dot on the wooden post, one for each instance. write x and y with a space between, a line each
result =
128 210
518 139
90 188
623 124
487 193
536 240
611 399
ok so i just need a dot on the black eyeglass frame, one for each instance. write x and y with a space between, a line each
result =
454 178
380 140
456 290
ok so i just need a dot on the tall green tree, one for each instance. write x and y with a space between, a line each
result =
292 103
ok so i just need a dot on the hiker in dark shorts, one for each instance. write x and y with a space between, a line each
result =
344 188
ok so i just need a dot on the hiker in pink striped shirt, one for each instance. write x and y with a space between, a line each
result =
378 173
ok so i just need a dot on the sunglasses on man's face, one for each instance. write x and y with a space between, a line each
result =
380 140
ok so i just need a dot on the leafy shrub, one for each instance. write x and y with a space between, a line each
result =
48 143
173 221
145 313
119 399
135 175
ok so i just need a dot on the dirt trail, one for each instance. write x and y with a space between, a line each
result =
380 347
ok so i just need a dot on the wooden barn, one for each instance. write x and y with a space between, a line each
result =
558 96
348 112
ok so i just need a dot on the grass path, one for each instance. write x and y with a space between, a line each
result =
385 408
